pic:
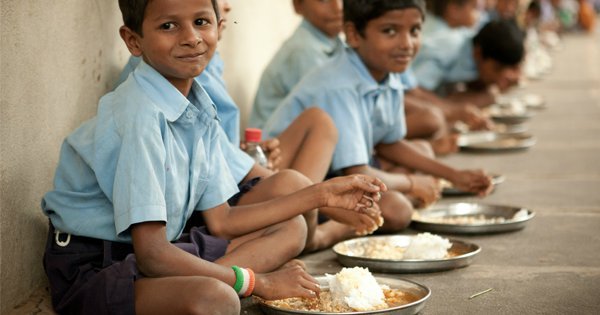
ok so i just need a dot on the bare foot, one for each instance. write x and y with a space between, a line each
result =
294 263
328 234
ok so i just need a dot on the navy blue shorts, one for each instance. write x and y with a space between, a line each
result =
93 276
244 188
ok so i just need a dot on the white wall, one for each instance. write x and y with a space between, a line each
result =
57 58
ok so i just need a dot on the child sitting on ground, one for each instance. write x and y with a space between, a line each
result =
306 146
130 178
448 55
315 41
362 91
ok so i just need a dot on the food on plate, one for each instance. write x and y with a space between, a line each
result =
350 290
471 219
422 246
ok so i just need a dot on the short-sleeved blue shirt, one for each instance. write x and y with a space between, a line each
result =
409 81
211 79
441 48
150 154
365 112
306 49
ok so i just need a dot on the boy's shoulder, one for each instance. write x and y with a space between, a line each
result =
308 41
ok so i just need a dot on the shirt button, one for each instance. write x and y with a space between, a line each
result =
189 114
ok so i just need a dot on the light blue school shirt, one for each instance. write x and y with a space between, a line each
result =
306 49
150 154
441 48
211 79
409 80
365 112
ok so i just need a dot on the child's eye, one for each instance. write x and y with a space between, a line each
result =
201 21
167 26
415 31
389 31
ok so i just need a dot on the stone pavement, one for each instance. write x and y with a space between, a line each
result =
553 265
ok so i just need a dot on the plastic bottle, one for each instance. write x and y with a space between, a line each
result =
253 137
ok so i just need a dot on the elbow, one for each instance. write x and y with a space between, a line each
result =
148 261
221 231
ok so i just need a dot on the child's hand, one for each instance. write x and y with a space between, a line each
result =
475 181
286 282
364 222
474 118
426 189
273 152
354 192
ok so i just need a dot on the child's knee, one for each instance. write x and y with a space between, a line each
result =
296 231
211 296
289 181
397 211
320 119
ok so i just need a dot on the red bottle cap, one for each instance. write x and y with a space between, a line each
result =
253 135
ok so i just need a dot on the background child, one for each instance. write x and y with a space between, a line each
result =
128 180
448 56
362 91
315 41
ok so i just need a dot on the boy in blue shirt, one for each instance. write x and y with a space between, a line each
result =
130 178
315 41
306 146
448 57
361 90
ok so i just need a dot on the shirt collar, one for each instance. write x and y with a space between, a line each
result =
326 44
368 84
164 94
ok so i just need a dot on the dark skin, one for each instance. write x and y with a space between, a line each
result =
179 40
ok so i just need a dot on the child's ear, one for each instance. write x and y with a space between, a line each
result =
298 6
352 35
131 39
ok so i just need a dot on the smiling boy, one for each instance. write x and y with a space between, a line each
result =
129 180
361 90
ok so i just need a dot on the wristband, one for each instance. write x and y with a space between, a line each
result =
239 279
251 282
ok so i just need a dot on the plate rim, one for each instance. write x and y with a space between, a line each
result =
416 303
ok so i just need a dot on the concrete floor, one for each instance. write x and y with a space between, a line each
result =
552 266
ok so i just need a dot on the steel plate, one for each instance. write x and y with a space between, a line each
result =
493 142
348 254
469 209
420 291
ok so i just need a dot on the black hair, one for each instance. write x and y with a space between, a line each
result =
360 12
438 7
133 13
534 7
501 41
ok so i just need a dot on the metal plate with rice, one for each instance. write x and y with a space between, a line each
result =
494 142
419 291
448 190
509 114
454 218
350 253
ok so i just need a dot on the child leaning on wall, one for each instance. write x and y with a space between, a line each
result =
305 146
130 178
315 41
362 91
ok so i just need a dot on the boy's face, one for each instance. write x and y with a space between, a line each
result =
491 72
465 15
326 15
389 43
179 39
507 8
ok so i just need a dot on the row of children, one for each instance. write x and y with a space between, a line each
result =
155 205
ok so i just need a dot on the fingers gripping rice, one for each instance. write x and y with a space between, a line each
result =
356 288
427 246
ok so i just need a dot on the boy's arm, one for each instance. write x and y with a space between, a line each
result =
393 181
352 193
403 154
156 257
